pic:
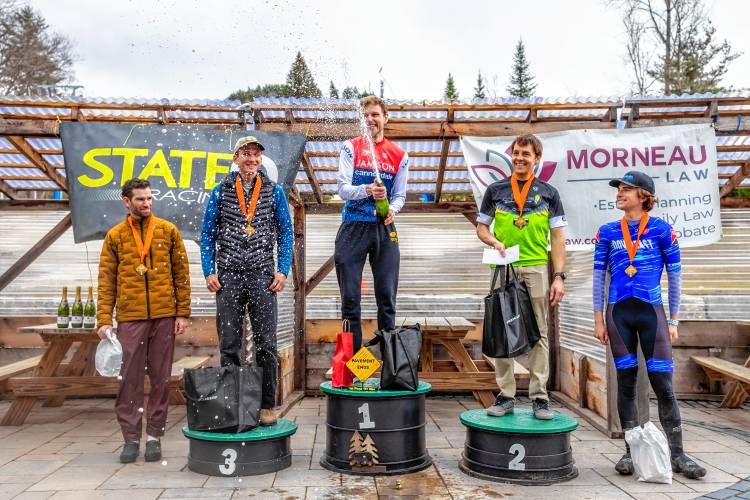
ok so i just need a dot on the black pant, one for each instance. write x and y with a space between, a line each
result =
356 241
248 291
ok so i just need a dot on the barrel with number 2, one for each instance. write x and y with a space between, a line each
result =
374 432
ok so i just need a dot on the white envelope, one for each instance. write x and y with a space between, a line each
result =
492 256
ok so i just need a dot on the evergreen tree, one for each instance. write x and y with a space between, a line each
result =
450 91
300 79
521 82
268 90
353 93
333 92
479 90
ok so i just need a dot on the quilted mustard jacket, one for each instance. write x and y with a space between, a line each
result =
164 291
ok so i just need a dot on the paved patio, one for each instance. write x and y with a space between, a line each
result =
71 452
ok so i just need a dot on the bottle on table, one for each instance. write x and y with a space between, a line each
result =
89 310
76 312
63 310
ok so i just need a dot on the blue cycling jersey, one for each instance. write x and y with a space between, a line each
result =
658 246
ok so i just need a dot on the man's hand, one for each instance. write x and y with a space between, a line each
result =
500 248
180 324
277 284
212 283
103 329
556 291
672 333
390 217
600 332
377 192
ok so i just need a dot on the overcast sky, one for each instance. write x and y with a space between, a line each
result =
207 49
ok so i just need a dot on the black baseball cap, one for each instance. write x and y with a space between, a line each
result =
635 179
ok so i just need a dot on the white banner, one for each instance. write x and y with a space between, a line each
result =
579 163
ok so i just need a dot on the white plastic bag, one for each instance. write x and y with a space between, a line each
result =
650 453
109 355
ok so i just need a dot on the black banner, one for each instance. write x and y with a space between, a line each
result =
182 163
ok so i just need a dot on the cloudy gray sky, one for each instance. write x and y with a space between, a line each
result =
207 49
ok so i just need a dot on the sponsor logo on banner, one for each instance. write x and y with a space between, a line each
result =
680 159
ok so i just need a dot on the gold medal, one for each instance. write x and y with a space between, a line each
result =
520 222
143 247
631 270
249 230
631 247
141 269
519 196
249 211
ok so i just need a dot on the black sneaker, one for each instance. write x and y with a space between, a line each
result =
688 467
129 452
625 465
153 450
541 409
502 406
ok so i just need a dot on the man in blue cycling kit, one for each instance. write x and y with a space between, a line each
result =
635 250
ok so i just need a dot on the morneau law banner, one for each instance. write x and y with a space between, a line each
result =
183 164
580 163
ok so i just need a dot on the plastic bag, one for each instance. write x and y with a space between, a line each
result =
109 355
650 453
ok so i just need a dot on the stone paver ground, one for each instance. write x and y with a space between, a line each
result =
71 452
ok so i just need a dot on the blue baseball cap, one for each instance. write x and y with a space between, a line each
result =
635 179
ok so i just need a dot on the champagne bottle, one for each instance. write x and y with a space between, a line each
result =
63 310
89 310
382 207
76 313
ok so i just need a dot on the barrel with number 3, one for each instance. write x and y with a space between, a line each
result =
374 432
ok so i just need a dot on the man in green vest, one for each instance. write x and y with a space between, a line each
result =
527 212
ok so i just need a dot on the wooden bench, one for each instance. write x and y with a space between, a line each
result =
17 368
736 374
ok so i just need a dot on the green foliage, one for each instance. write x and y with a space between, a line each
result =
268 90
333 92
300 80
479 90
353 93
450 91
521 82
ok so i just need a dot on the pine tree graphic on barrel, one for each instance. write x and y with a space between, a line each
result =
362 453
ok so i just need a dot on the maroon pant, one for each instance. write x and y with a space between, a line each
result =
147 347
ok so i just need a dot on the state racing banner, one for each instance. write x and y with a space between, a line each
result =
580 163
183 163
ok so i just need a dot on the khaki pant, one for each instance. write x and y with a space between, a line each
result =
537 282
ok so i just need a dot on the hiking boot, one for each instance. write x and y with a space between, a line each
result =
541 409
129 452
691 470
502 406
153 450
625 465
267 417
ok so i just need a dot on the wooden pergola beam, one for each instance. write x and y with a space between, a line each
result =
28 204
7 190
24 147
444 148
740 175
28 127
320 275
310 172
35 251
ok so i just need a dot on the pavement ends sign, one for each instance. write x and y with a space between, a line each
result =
363 364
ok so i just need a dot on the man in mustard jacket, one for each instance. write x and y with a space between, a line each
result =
143 270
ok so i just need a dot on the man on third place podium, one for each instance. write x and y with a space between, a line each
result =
361 233
527 212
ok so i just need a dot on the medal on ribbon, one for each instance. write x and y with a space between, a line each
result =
631 247
519 196
143 247
248 211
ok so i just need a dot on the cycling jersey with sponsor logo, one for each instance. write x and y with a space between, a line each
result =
542 210
356 172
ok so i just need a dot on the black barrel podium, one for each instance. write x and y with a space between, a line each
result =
375 432
257 451
518 448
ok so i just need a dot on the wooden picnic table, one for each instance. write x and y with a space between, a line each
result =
54 381
461 372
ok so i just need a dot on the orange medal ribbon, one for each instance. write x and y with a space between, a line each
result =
519 196
249 212
629 245
142 247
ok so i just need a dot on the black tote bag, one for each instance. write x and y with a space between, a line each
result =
510 327
399 350
223 399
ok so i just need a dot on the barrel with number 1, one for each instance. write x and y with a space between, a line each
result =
374 432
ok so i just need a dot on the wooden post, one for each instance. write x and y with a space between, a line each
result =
320 275
35 251
553 337
300 364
